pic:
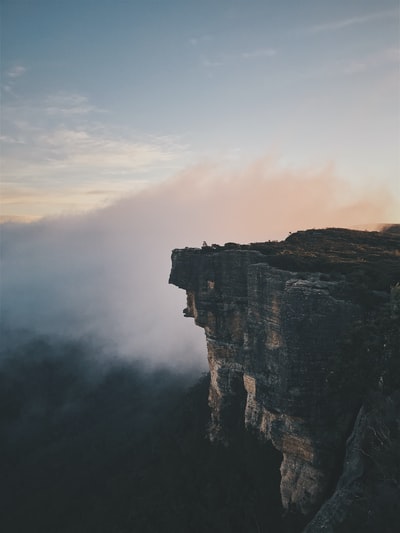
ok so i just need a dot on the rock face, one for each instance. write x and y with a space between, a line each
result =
273 334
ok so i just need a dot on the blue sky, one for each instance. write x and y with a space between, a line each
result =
102 98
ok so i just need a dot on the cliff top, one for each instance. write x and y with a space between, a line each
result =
370 258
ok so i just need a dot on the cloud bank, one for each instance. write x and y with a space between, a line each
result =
61 153
105 274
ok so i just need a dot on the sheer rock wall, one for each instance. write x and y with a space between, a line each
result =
272 338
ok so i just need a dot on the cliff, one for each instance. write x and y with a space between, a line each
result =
277 318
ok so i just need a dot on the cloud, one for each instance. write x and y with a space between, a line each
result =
65 104
9 81
16 71
389 56
57 144
64 160
10 140
32 202
79 148
17 218
353 21
225 59
104 274
201 39
64 142
212 63
67 152
259 52
348 66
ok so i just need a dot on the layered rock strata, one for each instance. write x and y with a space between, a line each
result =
273 335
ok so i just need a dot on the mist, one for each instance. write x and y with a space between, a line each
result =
104 275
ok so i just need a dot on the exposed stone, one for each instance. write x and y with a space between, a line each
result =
349 486
273 334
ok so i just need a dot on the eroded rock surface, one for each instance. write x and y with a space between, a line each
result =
273 331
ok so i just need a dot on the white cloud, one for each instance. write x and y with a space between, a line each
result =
77 152
69 104
7 89
32 201
16 71
100 151
372 61
54 144
352 66
9 81
10 140
196 41
212 63
353 21
226 59
258 53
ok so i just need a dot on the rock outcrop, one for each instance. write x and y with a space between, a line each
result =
275 317
367 494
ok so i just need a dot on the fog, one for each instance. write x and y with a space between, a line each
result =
104 275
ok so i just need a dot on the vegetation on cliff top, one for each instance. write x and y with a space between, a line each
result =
370 259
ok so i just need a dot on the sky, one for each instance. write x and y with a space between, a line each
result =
130 128
101 99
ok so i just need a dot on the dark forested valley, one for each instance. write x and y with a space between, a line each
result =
91 444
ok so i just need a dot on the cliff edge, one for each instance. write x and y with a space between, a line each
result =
278 319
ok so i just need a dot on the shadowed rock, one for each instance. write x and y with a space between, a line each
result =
275 316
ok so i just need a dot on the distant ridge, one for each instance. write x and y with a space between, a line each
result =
381 226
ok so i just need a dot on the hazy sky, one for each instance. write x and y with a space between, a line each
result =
102 97
181 121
